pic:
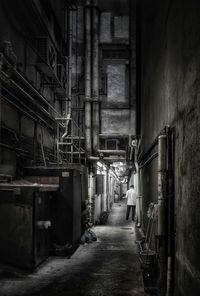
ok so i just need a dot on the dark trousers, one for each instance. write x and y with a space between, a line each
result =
128 212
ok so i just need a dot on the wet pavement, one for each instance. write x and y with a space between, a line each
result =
109 266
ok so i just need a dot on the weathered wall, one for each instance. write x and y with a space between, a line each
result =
170 96
118 97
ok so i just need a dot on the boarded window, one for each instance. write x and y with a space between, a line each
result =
116 82
105 28
121 27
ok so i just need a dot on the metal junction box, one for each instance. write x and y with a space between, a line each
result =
24 225
66 203
100 184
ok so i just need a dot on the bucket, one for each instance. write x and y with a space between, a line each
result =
147 257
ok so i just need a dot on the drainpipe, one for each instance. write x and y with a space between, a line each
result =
162 210
88 144
107 188
1 64
170 193
68 104
95 76
140 219
35 143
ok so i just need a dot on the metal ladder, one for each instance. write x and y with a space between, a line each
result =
69 149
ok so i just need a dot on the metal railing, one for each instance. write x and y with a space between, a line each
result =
70 148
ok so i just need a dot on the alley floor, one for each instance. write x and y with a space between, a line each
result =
109 266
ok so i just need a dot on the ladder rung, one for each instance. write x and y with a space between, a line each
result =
75 138
64 144
72 152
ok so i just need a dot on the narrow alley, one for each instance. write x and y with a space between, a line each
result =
99 122
109 266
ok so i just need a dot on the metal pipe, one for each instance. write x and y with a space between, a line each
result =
170 193
35 91
42 147
143 156
27 95
112 136
68 104
148 161
27 108
17 107
131 153
35 142
95 77
1 65
116 152
112 159
31 87
94 158
13 148
162 210
95 130
88 144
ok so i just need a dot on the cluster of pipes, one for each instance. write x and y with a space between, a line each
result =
92 103
165 211
92 100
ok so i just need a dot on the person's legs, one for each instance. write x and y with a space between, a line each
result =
128 211
133 213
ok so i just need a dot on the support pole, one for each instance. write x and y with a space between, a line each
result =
162 211
68 104
170 193
88 144
95 77
1 64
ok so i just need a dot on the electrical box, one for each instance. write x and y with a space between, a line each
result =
100 184
65 203
24 225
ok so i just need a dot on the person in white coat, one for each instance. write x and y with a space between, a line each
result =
131 202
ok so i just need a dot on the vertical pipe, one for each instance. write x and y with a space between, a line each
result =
170 193
132 67
88 145
1 64
139 63
95 77
57 141
35 142
162 210
68 105
139 197
107 188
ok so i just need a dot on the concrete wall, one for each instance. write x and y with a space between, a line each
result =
170 95
115 41
111 121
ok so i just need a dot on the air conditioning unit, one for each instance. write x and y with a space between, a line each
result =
47 56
